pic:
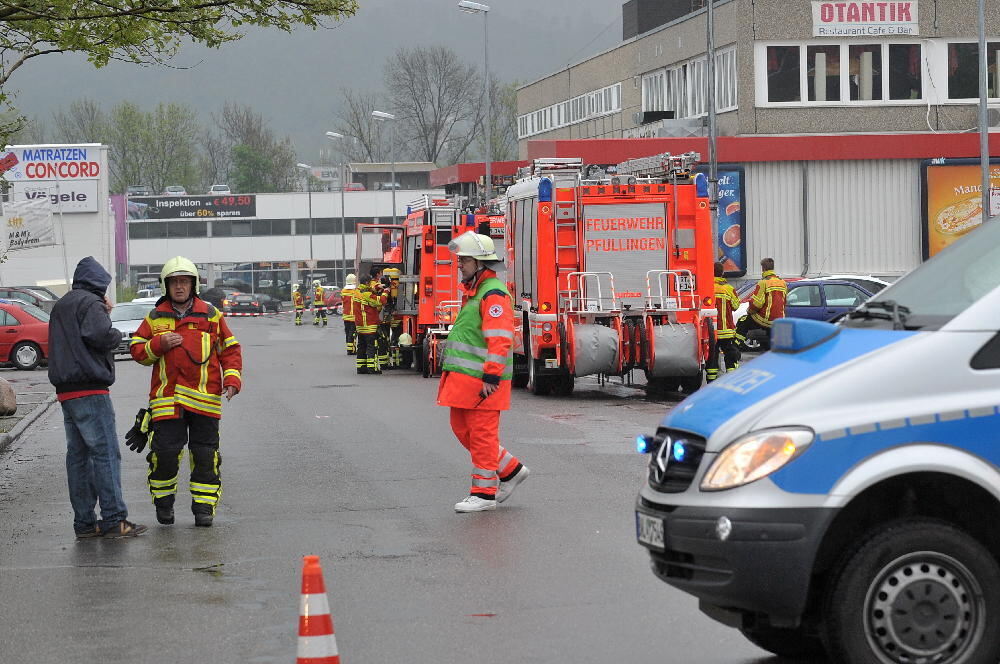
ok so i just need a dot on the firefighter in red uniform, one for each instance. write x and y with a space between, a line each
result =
767 304
392 325
319 303
196 361
726 301
369 298
477 369
299 303
350 331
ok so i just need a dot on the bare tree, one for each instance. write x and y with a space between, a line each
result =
83 122
436 99
129 134
503 129
363 137
242 126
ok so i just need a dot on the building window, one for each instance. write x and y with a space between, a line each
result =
242 229
581 108
683 88
879 72
963 70
783 74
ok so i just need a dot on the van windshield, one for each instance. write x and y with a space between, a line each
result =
941 288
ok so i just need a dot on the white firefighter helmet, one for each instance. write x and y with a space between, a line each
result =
405 339
475 245
295 288
352 280
178 266
315 282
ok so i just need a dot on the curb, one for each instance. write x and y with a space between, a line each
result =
8 438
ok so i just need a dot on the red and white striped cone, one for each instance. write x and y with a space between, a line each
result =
317 643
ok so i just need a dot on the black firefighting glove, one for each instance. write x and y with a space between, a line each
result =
138 436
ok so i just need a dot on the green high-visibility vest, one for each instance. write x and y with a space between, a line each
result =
465 350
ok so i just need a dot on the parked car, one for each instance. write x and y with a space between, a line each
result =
354 186
227 297
31 295
333 299
138 190
254 304
174 190
819 299
144 293
24 334
216 189
126 317
385 186
870 283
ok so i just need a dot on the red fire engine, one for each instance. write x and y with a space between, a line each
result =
611 273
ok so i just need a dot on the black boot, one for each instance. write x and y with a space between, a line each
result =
202 515
164 514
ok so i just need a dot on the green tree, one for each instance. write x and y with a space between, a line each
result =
251 171
139 31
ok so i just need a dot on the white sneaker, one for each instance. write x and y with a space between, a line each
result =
507 488
475 504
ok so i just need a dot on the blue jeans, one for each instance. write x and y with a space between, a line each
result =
93 462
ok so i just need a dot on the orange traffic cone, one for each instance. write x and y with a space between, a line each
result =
317 644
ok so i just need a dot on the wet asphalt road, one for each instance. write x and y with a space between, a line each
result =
362 471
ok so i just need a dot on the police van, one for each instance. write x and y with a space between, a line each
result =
841 494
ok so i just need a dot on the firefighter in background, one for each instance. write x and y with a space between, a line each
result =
767 304
350 330
393 325
318 303
299 303
726 301
369 298
196 360
477 369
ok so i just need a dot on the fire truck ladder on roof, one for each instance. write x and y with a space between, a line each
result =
576 302
683 297
661 166
566 225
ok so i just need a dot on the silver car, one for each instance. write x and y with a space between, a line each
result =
127 317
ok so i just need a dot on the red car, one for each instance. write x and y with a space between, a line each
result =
24 334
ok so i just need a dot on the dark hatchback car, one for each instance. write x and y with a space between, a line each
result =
245 303
818 299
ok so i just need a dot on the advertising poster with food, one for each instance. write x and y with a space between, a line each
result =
731 245
952 193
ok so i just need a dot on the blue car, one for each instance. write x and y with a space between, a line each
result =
818 299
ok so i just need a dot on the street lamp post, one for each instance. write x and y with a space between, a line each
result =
334 136
379 115
478 8
308 169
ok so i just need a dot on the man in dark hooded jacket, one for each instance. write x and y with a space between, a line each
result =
82 368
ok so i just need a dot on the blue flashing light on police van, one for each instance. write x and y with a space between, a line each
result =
678 450
545 190
701 185
643 444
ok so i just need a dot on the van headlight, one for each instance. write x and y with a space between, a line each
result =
756 455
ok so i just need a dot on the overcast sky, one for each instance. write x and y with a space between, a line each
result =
294 79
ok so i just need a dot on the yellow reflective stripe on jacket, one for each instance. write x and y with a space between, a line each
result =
229 341
210 399
232 372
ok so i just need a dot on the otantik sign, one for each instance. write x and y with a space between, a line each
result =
861 18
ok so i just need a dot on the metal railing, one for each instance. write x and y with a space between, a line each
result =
675 290
446 311
597 299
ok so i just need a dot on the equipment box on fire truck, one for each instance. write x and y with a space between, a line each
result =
611 273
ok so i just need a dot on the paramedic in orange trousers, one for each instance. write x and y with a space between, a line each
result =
477 365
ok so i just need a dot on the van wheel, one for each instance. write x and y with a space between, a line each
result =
916 590
26 356
786 642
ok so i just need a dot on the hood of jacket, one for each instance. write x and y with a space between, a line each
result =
91 276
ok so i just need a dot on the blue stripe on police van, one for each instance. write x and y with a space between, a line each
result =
771 373
834 452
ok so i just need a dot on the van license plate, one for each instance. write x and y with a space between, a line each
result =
649 530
